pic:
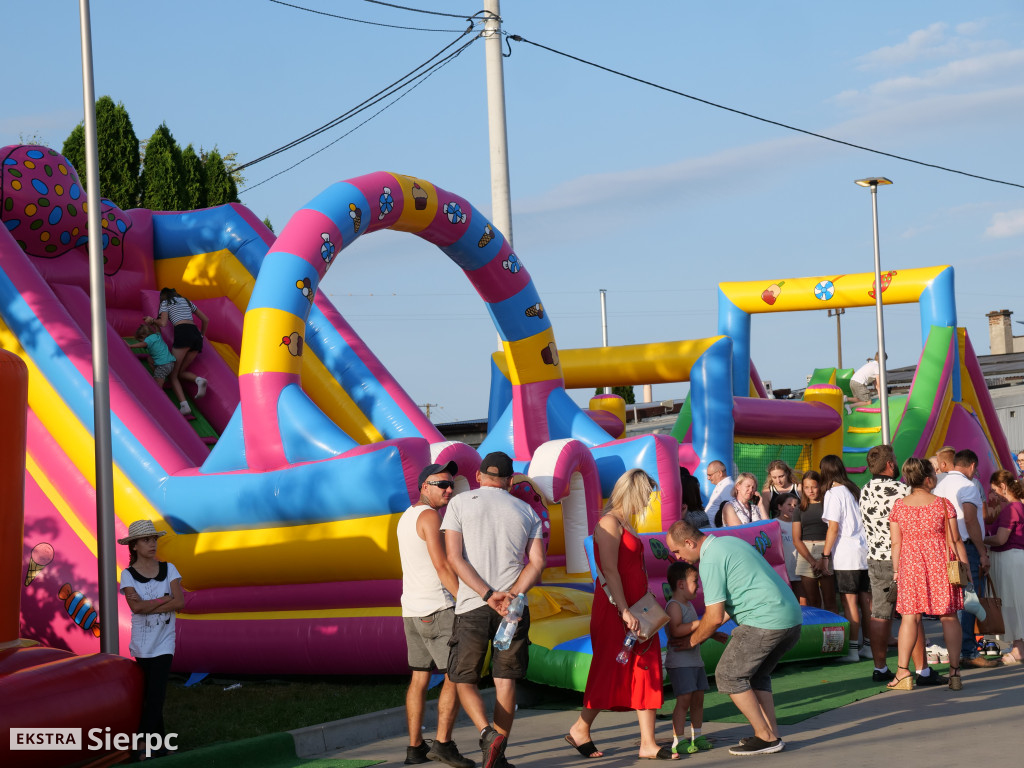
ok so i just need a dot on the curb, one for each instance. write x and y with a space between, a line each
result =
314 740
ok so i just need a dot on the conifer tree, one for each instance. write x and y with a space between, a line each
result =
195 184
163 177
118 153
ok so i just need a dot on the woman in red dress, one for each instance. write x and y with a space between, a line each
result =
636 684
922 525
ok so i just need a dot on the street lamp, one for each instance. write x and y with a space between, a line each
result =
883 384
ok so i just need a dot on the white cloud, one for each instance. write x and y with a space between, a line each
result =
966 73
932 42
1006 224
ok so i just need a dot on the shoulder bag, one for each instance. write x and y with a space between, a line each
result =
956 569
993 623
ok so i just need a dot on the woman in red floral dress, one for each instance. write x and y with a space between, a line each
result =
619 552
922 525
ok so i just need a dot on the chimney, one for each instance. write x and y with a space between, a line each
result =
1000 332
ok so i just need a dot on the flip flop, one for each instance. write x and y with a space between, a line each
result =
665 753
1009 658
587 750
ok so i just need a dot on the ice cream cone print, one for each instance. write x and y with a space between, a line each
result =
357 216
42 555
537 310
486 237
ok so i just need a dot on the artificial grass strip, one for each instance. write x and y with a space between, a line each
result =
801 690
276 750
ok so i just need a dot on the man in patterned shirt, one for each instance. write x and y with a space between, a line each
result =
876 502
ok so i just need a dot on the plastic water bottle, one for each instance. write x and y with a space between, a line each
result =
627 648
507 628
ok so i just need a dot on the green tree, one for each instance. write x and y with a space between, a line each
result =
625 392
220 187
269 226
163 176
118 148
74 150
195 184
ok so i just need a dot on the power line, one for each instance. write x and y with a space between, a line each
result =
376 98
364 21
425 76
520 39
417 10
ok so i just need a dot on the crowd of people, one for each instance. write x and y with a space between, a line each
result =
872 552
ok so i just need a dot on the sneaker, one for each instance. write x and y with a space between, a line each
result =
865 652
882 677
752 745
417 755
184 409
979 662
447 752
932 678
492 746
852 656
992 649
200 386
972 604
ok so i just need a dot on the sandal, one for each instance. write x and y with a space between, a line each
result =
955 683
1009 658
665 753
587 750
905 683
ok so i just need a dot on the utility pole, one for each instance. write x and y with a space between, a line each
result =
604 327
836 313
501 193
427 407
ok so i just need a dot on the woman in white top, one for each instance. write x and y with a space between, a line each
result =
846 548
188 340
743 507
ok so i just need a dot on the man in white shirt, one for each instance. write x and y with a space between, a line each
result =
722 492
957 486
429 584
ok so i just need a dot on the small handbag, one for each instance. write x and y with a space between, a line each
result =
956 569
993 623
652 617
647 610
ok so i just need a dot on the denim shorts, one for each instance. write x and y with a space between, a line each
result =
472 636
883 589
426 638
852 582
751 656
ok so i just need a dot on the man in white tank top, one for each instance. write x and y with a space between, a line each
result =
428 613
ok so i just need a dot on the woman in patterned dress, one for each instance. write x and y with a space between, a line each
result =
922 525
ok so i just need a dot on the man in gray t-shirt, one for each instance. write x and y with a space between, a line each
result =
494 542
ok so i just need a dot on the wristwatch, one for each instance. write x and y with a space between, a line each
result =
487 595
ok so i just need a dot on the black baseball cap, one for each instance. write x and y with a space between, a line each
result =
435 469
499 462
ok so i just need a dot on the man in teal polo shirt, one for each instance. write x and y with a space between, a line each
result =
739 584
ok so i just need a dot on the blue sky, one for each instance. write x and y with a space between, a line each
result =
615 185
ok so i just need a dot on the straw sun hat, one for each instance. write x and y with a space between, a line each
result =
140 529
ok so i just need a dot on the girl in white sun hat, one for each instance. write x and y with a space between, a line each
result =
153 591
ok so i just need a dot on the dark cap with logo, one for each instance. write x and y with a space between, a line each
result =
436 469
